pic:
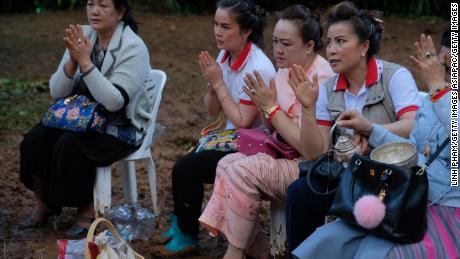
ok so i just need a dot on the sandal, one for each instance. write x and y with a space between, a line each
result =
76 231
38 217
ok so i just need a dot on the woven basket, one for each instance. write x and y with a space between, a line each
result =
107 225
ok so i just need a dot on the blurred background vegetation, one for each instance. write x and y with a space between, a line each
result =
408 8
24 102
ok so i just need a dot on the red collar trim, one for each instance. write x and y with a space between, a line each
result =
241 58
371 77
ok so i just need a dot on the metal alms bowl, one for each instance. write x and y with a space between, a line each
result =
397 153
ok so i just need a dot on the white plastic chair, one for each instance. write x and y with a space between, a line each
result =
103 186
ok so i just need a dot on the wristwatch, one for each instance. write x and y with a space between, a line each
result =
268 114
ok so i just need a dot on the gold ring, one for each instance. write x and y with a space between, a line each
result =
79 40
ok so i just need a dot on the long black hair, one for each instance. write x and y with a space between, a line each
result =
367 25
128 18
249 17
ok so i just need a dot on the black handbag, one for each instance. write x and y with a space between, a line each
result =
403 191
325 169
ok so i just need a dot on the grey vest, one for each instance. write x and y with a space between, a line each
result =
378 107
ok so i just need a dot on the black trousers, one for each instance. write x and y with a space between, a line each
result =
64 163
189 175
305 210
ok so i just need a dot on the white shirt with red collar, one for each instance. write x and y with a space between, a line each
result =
252 58
402 89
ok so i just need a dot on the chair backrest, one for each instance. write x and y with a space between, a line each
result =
154 85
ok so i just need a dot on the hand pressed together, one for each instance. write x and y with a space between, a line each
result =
79 47
305 90
263 97
210 70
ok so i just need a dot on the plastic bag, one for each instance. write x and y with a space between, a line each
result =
111 248
103 246
132 221
71 249
108 244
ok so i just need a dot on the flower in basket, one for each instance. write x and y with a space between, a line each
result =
73 113
58 113
103 238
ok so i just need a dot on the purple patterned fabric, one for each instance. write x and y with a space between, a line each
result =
442 239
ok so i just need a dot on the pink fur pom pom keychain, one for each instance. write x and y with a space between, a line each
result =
369 211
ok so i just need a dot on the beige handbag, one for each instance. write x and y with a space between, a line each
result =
105 251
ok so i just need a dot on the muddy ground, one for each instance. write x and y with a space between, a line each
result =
30 49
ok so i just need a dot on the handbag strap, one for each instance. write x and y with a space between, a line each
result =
438 151
327 156
217 124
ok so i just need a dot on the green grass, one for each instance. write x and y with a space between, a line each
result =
22 104
423 18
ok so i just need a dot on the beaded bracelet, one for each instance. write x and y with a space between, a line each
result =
272 114
439 92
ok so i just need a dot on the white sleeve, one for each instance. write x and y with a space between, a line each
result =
61 85
129 72
403 92
322 115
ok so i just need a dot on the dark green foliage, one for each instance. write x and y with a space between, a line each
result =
22 105
12 6
389 7
414 8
